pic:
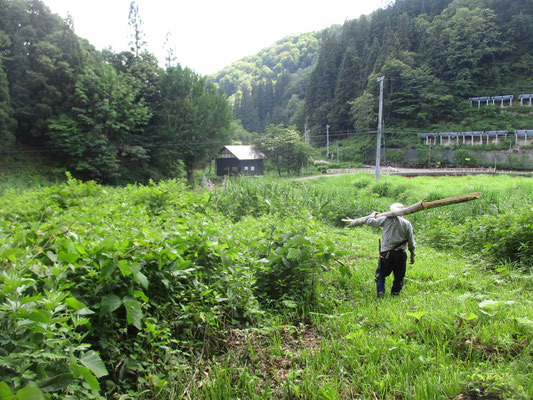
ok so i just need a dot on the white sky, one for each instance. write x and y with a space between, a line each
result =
207 35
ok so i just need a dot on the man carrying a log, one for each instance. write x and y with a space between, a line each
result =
397 235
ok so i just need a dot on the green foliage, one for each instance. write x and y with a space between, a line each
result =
117 117
364 112
293 257
495 227
461 39
119 292
494 118
93 278
395 155
284 148
354 149
7 122
505 237
246 197
269 87
111 117
44 60
101 131
193 117
433 59
451 307
241 135
462 157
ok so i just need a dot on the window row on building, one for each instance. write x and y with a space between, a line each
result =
521 137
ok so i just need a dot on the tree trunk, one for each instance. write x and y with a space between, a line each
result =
421 205
190 177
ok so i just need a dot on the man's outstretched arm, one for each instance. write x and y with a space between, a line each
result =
375 221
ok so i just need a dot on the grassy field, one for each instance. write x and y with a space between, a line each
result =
256 290
459 330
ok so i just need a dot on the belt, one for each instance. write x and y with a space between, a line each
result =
387 253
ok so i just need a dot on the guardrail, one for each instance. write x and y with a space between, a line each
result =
413 171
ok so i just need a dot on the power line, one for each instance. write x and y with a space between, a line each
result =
114 147
337 134
445 82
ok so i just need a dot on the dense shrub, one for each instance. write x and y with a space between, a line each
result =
506 237
293 257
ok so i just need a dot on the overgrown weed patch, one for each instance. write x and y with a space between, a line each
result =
159 292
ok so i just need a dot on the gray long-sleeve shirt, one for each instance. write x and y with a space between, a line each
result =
395 230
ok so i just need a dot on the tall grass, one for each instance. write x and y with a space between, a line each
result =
22 183
499 225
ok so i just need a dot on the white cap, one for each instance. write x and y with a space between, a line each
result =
396 207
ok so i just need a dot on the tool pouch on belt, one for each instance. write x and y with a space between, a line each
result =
385 255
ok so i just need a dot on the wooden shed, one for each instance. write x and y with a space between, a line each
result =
240 160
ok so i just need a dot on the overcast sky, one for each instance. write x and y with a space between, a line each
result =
207 35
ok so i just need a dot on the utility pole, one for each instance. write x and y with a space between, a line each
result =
429 156
380 124
306 137
337 151
327 141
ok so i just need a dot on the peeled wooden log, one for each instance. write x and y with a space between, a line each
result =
420 206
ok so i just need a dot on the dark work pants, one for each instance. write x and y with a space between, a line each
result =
395 263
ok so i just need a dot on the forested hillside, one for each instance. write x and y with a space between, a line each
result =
114 117
121 117
269 87
434 54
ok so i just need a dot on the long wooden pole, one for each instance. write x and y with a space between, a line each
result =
420 206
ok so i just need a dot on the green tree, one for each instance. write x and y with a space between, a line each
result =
241 135
169 49
404 32
364 112
284 148
321 89
419 96
137 41
347 86
261 86
462 42
193 121
7 121
98 139
248 112
44 58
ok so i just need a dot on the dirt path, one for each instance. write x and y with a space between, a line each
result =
415 172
